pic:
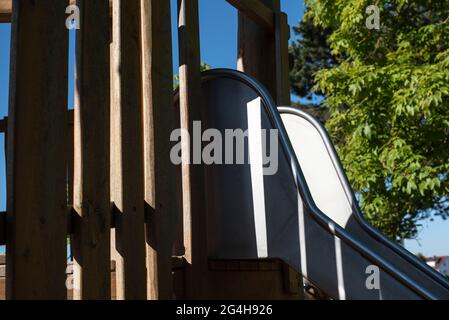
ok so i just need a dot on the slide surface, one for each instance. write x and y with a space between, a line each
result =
267 202
333 195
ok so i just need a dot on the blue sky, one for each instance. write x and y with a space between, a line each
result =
218 22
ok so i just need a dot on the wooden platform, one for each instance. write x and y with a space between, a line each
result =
228 279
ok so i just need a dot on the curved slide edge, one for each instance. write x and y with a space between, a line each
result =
216 84
356 211
309 205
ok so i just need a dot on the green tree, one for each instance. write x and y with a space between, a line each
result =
309 54
389 106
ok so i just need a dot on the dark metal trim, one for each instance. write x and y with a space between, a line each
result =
357 212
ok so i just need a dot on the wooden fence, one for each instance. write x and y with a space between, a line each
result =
102 174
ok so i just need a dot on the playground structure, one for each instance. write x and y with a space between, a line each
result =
128 44
102 173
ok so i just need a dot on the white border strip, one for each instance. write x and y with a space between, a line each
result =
302 237
257 182
339 263
301 227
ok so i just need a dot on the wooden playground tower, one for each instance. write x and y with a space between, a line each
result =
106 179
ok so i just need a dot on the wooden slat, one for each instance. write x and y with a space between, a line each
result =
257 50
36 166
195 239
127 174
4 122
2 228
159 122
91 200
282 35
70 151
5 10
256 10
70 157
4 125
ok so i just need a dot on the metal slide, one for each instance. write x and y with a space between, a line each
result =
333 195
268 205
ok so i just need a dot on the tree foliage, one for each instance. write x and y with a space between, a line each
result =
309 54
389 105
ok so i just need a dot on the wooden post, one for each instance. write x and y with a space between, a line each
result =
127 174
282 36
257 49
2 228
91 201
5 10
195 239
70 157
257 11
159 122
37 167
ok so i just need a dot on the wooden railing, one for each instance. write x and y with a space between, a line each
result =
102 174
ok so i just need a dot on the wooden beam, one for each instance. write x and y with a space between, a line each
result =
4 125
5 10
159 122
195 239
6 5
127 174
257 11
2 228
282 36
91 200
4 122
257 49
36 164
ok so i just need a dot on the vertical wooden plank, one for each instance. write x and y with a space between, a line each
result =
127 179
70 158
2 228
195 238
159 122
91 200
5 10
282 35
36 174
257 49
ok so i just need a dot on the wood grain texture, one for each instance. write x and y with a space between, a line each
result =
5 10
194 211
282 36
127 173
257 11
2 228
252 8
36 164
159 122
257 49
91 200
